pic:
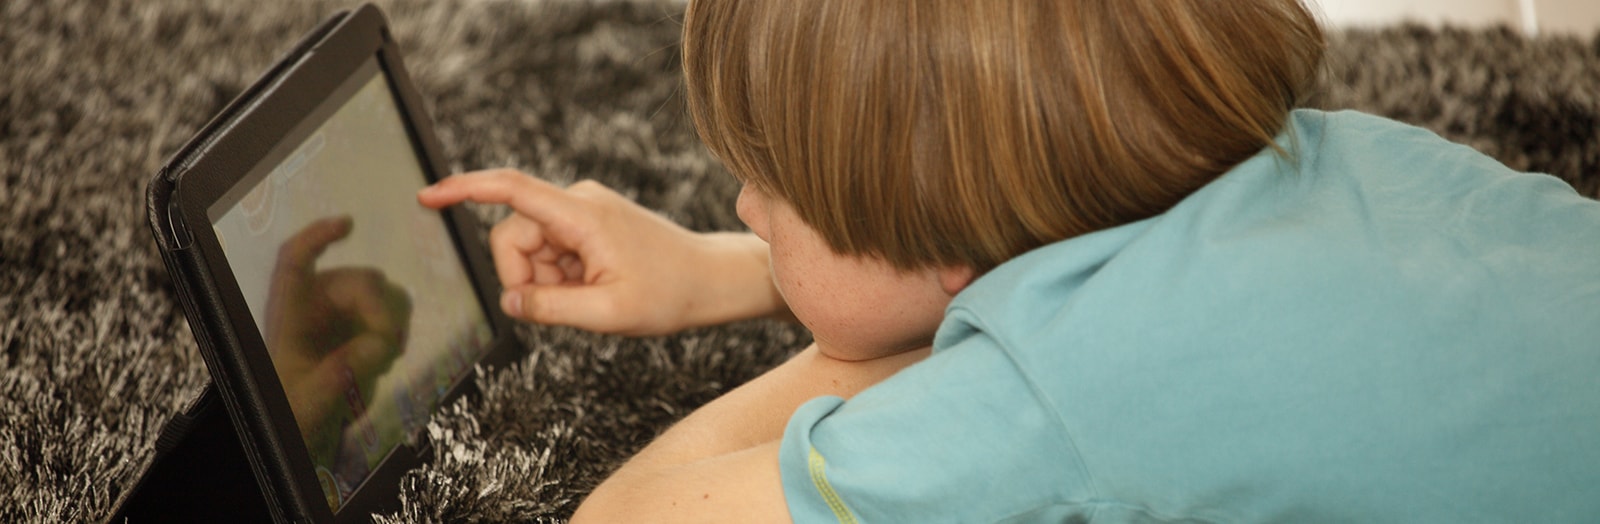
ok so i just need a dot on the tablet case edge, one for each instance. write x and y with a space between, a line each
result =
203 436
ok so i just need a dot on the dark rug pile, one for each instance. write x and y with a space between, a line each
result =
95 355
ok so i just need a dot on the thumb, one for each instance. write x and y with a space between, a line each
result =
586 307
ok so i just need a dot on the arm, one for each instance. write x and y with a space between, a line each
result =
738 281
584 256
587 257
722 460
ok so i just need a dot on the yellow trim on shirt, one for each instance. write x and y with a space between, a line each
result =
815 464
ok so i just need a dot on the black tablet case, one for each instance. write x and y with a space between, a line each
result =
200 471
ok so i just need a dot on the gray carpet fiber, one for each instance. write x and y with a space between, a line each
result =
95 354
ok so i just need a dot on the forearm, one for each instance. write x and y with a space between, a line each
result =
736 281
750 416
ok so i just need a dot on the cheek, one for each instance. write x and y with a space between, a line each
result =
827 296
853 317
752 211
787 274
799 278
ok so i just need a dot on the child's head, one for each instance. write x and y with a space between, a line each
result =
963 133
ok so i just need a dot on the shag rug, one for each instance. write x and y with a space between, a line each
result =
95 354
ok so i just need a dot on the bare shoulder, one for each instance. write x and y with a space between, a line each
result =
743 486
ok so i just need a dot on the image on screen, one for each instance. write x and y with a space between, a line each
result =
367 311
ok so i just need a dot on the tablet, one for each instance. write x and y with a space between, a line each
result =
335 314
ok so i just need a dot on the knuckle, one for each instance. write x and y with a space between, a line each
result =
514 232
590 191
500 233
587 185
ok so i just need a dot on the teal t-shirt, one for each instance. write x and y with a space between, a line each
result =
1388 327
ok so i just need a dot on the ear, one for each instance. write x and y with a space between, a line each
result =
956 278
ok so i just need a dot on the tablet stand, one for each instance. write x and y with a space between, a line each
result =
199 472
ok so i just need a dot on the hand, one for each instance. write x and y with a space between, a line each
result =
587 257
330 332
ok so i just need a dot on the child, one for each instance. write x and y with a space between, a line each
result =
1081 260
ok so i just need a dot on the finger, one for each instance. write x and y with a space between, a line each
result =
546 266
539 200
291 276
299 253
512 243
586 307
571 268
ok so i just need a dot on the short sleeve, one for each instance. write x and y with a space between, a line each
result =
959 437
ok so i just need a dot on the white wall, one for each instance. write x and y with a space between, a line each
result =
1381 12
1569 16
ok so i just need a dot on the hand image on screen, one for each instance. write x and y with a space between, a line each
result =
331 334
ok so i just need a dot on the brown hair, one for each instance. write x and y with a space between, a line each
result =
966 132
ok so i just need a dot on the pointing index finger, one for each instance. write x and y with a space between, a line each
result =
299 253
525 194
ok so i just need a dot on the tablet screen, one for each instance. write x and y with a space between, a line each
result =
366 308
